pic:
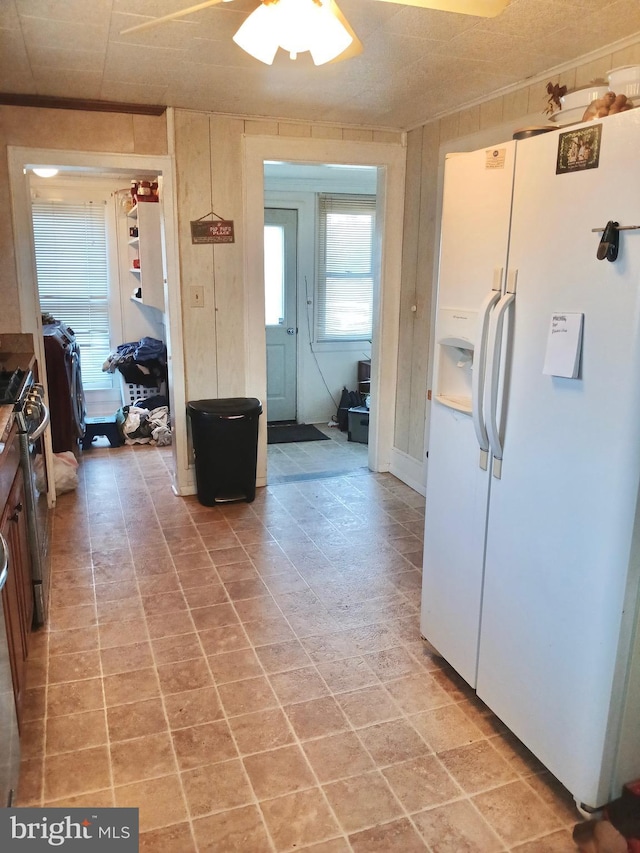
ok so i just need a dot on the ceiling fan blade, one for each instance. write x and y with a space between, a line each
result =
479 8
355 47
171 17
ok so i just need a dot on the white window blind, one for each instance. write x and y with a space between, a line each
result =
344 304
73 283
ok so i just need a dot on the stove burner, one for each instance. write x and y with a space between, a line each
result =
11 384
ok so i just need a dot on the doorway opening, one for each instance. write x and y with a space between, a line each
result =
320 299
129 317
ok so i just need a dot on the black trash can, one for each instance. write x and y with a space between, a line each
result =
225 446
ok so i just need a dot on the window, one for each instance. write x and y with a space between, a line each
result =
73 277
346 229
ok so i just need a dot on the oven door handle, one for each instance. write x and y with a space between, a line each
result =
4 561
44 423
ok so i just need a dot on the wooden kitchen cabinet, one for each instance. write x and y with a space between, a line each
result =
17 595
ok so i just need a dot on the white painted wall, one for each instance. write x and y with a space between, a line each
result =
324 368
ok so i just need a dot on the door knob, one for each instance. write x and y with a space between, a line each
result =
291 331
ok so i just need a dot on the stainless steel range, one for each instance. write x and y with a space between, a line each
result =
32 418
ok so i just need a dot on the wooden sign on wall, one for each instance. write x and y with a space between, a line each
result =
212 232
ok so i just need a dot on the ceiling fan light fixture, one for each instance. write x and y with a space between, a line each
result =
295 26
45 171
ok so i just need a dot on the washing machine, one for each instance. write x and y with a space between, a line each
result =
64 378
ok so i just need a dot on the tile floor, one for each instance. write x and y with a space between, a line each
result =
301 460
251 676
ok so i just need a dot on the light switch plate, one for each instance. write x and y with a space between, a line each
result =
197 296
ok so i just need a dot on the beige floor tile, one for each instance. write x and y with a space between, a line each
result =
184 647
74 697
95 799
142 758
515 814
260 731
367 706
76 772
112 633
456 828
446 728
176 677
296 685
419 692
392 663
73 640
299 819
131 686
399 836
421 783
336 845
280 771
280 657
392 741
192 707
477 766
556 842
216 788
245 697
347 675
203 744
337 756
213 616
73 667
136 719
235 831
160 801
316 718
234 666
228 638
170 624
126 658
362 802
170 839
75 731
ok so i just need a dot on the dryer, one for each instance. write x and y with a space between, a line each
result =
64 379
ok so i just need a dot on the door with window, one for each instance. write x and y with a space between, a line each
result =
280 289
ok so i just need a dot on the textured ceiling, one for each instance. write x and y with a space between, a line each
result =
416 63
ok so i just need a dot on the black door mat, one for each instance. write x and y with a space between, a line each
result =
287 433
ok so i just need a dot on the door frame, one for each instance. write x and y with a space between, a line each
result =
390 161
20 158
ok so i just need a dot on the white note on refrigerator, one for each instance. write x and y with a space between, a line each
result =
564 346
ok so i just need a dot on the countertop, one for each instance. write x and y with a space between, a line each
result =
16 351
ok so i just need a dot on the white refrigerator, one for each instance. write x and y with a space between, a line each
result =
532 537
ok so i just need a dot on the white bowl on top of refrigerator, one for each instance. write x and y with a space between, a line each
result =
582 97
625 81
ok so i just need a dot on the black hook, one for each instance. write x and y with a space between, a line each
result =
609 243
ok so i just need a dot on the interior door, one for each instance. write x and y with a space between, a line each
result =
280 286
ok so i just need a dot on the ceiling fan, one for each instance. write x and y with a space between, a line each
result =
314 25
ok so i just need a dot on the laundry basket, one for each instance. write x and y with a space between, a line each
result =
132 393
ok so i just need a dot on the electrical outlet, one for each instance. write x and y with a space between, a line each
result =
197 296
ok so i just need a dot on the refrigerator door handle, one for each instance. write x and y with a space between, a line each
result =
479 362
494 349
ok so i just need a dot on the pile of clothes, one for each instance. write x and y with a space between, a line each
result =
142 362
139 425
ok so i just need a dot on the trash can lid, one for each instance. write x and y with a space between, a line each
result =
227 407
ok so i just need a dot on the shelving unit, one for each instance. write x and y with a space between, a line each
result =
146 251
